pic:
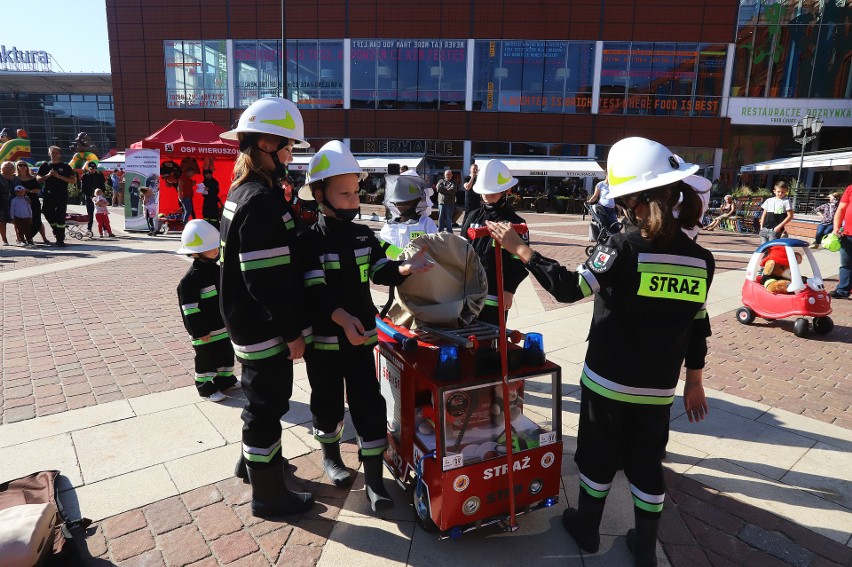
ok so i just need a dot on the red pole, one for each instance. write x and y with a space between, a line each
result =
504 369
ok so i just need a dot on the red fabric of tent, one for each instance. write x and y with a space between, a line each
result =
186 138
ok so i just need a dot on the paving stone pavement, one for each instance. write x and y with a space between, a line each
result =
67 341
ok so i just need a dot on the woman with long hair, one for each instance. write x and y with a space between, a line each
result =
261 294
33 187
650 285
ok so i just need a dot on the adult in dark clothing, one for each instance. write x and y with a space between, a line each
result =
7 191
210 204
56 175
261 295
92 179
446 189
472 199
28 181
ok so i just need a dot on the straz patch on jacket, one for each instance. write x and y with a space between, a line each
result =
602 259
672 281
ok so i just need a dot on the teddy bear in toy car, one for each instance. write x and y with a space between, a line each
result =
775 269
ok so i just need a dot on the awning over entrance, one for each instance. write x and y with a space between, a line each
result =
525 167
833 160
378 164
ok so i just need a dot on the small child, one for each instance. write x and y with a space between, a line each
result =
777 213
406 200
826 225
102 213
493 183
150 200
339 258
21 213
198 293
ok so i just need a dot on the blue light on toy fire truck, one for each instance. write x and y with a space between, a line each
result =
534 349
548 502
449 365
448 356
456 532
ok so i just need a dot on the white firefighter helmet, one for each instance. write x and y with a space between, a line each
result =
275 116
332 159
405 188
638 164
198 236
493 177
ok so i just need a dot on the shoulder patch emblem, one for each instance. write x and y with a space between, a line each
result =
602 259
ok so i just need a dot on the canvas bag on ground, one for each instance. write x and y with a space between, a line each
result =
451 294
33 528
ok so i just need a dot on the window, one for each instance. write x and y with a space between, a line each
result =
533 76
408 74
196 74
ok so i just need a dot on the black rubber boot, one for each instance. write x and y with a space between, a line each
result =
377 495
642 541
270 496
583 523
241 472
333 465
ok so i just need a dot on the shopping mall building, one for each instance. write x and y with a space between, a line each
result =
720 81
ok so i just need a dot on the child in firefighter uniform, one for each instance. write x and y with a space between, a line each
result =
650 285
198 293
409 208
261 295
339 260
493 182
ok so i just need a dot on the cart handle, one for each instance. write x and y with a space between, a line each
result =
483 230
408 343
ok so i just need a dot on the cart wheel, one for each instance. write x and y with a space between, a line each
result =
90 234
823 325
78 235
422 510
801 327
745 315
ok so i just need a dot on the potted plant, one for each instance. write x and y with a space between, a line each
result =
540 203
561 204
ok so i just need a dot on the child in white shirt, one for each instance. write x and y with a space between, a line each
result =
102 213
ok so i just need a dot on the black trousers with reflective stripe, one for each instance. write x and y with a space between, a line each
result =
268 386
54 211
355 367
210 357
615 435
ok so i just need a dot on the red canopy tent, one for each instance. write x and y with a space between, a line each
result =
186 138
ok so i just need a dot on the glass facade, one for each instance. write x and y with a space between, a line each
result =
797 49
196 74
52 119
675 79
408 74
533 76
644 78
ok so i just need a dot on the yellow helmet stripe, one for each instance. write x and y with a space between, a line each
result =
287 122
321 166
612 179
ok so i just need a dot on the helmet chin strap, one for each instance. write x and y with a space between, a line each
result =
341 214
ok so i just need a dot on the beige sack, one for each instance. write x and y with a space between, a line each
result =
451 294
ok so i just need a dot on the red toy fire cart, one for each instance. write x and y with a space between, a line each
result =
805 297
452 395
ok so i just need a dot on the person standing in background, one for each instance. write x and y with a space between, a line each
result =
446 189
92 179
843 229
56 175
7 188
26 178
472 199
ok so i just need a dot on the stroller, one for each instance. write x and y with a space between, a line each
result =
78 226
599 231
